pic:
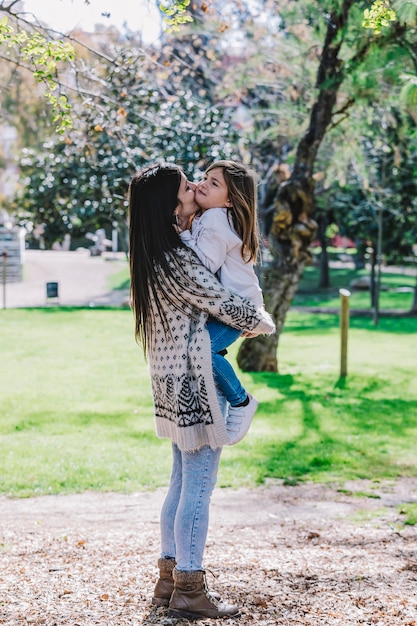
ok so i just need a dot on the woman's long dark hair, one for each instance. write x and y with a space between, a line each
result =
153 198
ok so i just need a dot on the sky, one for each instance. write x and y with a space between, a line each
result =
64 15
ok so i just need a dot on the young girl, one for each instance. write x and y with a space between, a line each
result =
225 239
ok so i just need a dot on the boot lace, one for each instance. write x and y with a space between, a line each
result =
213 599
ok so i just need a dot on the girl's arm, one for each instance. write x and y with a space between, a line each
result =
210 249
198 288
212 238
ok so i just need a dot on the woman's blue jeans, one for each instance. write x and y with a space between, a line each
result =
185 512
221 337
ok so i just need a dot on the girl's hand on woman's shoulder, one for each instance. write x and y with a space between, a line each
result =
250 334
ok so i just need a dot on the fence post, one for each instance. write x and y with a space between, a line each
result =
344 326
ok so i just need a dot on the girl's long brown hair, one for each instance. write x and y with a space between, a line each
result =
241 186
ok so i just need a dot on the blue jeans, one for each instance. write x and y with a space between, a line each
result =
185 512
222 336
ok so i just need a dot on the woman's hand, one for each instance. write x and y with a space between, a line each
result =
250 334
189 221
183 224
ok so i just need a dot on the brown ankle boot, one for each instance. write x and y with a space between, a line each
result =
165 585
190 598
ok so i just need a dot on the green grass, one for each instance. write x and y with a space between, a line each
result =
392 295
121 279
76 407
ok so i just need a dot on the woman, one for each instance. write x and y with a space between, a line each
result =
172 296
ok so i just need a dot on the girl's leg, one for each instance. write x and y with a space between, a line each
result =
199 474
242 405
170 506
222 336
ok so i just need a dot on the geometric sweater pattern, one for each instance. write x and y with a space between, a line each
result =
186 402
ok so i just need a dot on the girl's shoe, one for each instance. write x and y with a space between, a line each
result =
239 420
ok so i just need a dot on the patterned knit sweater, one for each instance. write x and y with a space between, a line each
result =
187 409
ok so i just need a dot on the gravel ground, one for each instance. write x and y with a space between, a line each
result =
303 555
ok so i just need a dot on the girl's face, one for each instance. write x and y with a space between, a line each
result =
212 191
187 205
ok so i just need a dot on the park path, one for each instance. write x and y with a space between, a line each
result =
83 280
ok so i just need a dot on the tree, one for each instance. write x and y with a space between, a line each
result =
136 106
79 184
290 218
378 201
293 225
41 56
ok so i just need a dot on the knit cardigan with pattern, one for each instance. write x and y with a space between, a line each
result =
187 409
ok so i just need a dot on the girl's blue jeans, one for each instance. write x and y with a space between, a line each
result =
185 512
221 337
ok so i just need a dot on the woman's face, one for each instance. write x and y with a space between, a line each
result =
212 192
187 205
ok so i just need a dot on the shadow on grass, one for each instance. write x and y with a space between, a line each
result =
335 434
304 322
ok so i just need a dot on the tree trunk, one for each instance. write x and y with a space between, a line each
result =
324 281
359 258
414 305
324 267
293 227
279 286
372 282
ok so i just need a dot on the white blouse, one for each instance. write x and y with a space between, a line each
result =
218 247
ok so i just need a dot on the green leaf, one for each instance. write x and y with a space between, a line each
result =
379 15
408 94
407 13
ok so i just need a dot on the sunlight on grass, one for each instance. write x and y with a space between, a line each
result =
326 431
77 412
396 289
